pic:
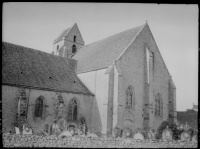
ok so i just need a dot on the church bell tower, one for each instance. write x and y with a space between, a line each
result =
68 42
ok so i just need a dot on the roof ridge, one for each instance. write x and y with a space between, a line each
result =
24 47
57 39
60 35
34 50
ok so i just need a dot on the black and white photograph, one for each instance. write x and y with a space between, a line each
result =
99 75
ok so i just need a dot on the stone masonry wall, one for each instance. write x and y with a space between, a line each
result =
133 71
10 107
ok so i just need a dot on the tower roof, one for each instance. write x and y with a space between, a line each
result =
60 37
63 34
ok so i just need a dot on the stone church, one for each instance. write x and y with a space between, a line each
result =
121 80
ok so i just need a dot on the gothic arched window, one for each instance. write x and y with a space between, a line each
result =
39 107
73 48
61 105
22 105
73 110
158 105
130 98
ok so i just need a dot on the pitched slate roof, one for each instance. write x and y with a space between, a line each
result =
60 37
28 67
101 54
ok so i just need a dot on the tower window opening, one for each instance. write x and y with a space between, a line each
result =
73 48
74 38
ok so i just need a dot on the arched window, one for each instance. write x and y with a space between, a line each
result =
60 106
158 105
39 107
130 98
74 38
73 48
22 105
73 110
57 47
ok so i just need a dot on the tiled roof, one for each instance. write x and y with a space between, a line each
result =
60 37
101 54
27 67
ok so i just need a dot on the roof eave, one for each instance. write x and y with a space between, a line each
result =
46 89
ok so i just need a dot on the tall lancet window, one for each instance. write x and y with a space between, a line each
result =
22 105
158 105
148 65
73 110
130 98
39 107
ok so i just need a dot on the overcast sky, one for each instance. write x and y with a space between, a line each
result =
174 27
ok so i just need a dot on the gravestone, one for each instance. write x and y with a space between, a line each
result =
72 130
92 135
17 130
151 134
27 129
65 134
127 133
185 136
194 138
167 134
55 128
117 132
138 136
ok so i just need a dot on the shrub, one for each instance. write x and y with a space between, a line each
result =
175 131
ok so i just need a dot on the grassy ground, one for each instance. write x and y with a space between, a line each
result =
82 142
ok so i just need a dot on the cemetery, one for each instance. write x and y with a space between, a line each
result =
119 139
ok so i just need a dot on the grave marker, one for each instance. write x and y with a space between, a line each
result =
167 134
185 136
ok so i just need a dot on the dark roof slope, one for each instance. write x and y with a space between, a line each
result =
101 54
27 67
60 37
